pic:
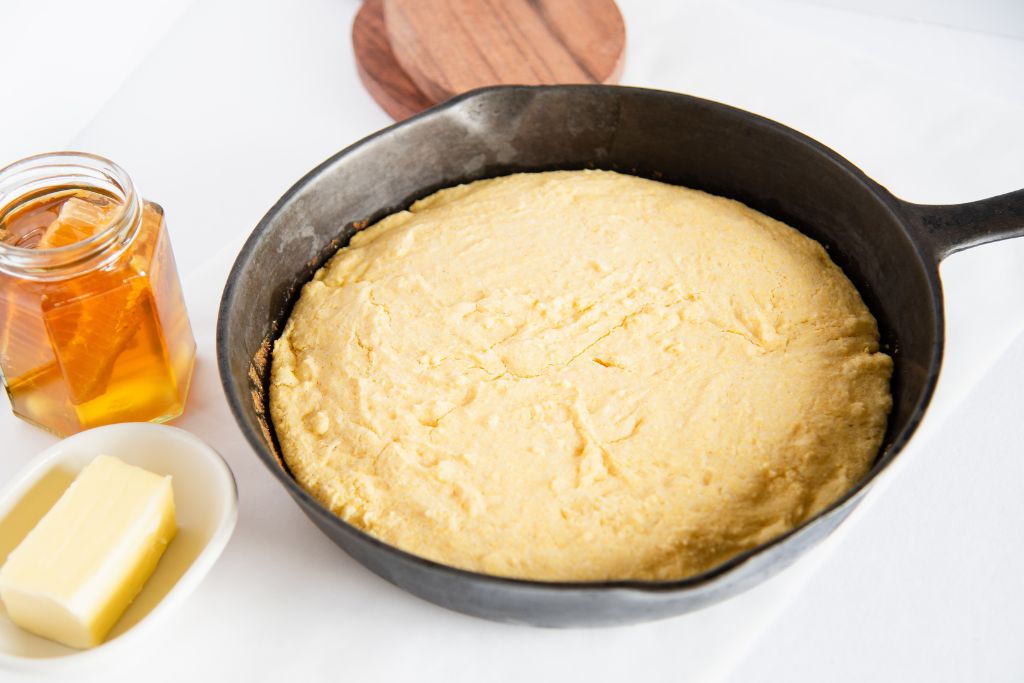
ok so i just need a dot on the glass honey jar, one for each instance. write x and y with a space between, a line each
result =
93 326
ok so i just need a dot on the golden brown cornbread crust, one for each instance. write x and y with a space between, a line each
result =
579 375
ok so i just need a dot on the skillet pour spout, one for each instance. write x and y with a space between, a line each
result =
889 248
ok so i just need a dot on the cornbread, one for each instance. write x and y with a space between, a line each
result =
579 375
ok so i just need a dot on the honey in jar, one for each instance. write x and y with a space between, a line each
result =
93 326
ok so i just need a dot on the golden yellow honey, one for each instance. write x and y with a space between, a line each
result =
93 325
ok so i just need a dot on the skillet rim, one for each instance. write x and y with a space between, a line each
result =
922 247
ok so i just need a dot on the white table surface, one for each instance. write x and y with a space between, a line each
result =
216 107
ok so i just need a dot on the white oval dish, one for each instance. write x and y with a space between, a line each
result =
206 508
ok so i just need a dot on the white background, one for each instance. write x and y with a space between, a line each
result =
216 107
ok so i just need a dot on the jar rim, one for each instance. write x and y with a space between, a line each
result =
53 169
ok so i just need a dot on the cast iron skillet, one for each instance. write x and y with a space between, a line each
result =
889 248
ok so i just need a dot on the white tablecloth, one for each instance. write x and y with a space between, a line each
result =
216 107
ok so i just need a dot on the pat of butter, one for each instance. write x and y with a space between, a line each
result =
76 572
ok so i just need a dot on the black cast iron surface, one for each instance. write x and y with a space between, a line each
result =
890 249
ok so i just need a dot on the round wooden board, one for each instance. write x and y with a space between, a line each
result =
450 46
379 70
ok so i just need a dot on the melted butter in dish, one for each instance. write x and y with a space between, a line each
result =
579 375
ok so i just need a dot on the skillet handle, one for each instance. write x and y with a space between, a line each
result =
954 227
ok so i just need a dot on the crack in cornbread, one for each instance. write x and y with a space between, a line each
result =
579 375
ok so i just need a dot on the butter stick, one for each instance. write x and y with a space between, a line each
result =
75 573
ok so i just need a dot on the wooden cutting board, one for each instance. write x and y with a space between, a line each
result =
412 54
380 72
